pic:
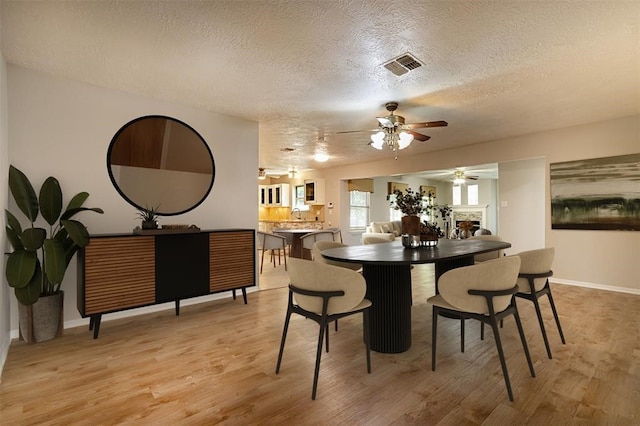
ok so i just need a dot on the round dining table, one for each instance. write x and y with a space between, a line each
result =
387 270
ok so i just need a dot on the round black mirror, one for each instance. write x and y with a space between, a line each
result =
161 163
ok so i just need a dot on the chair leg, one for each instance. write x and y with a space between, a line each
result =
327 338
461 334
367 340
555 315
262 260
434 333
323 327
481 331
503 364
524 341
284 338
534 299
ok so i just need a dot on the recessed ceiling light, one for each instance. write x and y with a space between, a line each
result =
321 157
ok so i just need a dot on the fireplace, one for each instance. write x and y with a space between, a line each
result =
474 214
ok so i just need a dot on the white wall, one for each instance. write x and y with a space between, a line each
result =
607 259
5 294
63 128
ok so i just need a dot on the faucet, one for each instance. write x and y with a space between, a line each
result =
299 215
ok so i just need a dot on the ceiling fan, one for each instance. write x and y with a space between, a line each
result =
459 177
394 132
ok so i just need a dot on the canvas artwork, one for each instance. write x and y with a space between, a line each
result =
600 193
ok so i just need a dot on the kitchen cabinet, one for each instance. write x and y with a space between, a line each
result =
314 191
262 195
277 195
118 272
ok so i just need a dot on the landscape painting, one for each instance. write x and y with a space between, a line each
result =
600 194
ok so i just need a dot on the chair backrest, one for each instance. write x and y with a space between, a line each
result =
308 240
499 274
318 276
482 231
483 257
287 235
337 234
319 246
535 262
267 241
378 240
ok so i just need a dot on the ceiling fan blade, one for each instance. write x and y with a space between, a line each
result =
419 136
357 131
472 177
426 124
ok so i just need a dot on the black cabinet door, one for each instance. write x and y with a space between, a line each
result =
182 266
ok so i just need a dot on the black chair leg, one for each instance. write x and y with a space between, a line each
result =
503 364
524 342
555 315
434 334
462 334
534 299
323 326
284 338
327 337
481 331
367 339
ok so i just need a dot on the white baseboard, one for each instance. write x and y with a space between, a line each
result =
4 351
80 322
596 286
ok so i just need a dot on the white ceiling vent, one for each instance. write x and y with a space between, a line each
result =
402 64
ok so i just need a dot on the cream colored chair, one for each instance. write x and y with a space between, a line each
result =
483 257
337 234
273 243
484 292
533 283
308 240
319 246
287 235
324 293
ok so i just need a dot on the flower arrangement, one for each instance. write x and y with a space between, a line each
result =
466 226
410 203
430 229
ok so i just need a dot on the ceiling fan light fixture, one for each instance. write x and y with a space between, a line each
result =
291 173
377 140
404 140
262 174
321 157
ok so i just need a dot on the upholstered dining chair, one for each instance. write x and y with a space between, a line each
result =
320 246
485 292
533 283
337 234
324 293
483 257
287 235
308 240
272 243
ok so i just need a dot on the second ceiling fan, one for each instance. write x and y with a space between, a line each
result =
395 132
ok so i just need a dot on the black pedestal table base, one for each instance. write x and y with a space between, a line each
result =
390 316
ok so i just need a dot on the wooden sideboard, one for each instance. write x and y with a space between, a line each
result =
119 272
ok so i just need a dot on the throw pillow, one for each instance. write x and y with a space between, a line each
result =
386 229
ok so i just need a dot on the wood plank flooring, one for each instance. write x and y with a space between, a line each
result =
214 364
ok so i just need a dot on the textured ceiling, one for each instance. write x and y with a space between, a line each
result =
308 69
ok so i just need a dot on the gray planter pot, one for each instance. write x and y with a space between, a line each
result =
43 320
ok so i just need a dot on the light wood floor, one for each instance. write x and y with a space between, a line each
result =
214 364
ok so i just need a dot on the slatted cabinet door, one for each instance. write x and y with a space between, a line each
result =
119 274
231 260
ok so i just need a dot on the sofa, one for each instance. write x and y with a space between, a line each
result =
388 230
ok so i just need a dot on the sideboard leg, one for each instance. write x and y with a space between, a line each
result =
96 324
91 321
233 292
244 295
177 307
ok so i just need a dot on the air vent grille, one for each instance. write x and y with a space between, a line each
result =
403 64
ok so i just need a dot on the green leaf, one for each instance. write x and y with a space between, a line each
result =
13 222
14 239
77 231
51 200
77 200
20 268
23 193
29 294
71 212
54 261
33 238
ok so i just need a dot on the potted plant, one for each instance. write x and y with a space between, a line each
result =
149 217
412 205
40 257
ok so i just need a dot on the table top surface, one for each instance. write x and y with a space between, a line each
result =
298 231
395 253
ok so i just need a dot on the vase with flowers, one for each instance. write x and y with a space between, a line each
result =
465 229
411 204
